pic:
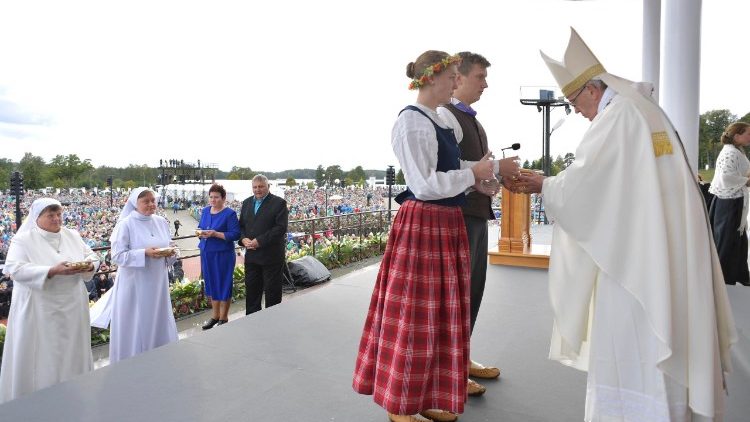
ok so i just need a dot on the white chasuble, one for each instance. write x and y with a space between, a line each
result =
631 230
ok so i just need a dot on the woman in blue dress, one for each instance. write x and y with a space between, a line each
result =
218 229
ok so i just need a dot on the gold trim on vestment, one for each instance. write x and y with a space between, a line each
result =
662 144
584 77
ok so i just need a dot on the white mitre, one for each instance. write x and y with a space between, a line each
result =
579 65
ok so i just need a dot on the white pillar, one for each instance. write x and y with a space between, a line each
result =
682 57
652 43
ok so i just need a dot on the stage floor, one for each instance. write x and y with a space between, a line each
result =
294 362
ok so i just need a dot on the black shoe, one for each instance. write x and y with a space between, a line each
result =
210 323
222 321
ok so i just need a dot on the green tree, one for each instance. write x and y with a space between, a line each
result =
320 176
526 164
356 174
33 168
569 158
557 166
400 177
712 125
241 173
141 174
745 118
58 183
69 168
290 181
333 173
6 169
311 185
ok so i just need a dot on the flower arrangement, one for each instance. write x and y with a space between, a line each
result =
430 70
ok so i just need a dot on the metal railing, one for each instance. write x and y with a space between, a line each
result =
339 225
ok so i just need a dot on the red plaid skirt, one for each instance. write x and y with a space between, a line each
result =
414 352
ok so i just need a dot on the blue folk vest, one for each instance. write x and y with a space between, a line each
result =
449 156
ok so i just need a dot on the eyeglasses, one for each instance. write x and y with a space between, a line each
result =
573 100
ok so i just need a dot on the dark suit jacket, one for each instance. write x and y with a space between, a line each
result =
269 227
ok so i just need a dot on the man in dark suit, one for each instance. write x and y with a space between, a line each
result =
263 220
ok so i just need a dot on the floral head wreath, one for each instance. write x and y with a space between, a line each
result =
432 69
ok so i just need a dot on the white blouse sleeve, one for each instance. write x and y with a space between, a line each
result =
415 144
122 255
18 264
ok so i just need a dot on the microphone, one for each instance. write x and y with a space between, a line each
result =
514 147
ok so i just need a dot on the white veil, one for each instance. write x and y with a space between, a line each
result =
132 203
36 208
29 223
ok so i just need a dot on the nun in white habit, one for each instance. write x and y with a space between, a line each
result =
48 339
141 314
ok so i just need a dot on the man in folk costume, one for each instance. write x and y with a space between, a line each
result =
472 139
635 283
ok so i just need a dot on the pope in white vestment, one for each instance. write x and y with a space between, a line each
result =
48 339
635 285
141 313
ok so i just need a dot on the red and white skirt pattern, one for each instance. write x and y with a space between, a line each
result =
414 351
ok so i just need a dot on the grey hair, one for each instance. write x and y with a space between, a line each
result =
598 83
260 178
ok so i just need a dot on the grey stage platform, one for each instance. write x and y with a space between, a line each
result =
294 362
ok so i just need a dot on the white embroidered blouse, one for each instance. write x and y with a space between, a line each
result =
731 176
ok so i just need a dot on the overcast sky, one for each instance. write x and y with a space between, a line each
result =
294 84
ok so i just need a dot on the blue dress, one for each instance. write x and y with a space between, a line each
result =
217 256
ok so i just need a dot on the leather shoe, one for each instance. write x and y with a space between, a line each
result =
222 321
406 418
210 324
438 415
474 388
477 370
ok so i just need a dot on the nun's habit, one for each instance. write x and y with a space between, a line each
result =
142 317
48 339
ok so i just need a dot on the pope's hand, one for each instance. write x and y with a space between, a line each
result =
530 182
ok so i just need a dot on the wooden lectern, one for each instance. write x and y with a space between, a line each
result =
514 245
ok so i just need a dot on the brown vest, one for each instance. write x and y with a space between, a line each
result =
473 148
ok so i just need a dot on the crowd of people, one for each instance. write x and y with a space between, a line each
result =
88 213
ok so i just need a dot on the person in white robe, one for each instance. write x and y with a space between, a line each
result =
635 285
141 313
48 339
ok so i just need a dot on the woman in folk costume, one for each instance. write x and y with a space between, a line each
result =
637 293
48 339
414 352
142 317
728 212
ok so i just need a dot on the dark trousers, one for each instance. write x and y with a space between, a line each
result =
476 230
731 245
260 279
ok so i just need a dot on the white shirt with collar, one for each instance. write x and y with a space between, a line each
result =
414 141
